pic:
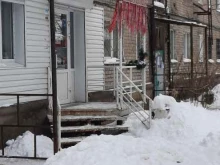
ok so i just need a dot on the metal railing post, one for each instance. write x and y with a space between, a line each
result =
117 87
131 92
114 79
35 143
18 110
2 141
143 73
54 74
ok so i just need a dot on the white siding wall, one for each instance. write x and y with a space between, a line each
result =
31 78
95 48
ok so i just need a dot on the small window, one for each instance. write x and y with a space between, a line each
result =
187 46
201 48
140 43
210 47
111 43
218 48
172 45
161 1
218 5
200 2
12 23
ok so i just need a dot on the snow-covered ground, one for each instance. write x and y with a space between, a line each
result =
24 146
188 136
21 162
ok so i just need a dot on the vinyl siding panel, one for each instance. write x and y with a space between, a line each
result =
95 48
32 78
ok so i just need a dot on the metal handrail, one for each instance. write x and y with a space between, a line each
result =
136 107
135 86
131 100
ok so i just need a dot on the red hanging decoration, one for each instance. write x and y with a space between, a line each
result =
134 16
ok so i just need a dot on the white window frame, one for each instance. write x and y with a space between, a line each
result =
187 46
11 61
173 56
201 48
144 41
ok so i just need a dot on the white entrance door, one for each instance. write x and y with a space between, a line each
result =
70 51
65 74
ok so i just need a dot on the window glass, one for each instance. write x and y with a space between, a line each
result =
187 46
172 44
7 31
115 43
218 48
210 47
111 42
107 41
61 40
218 5
201 47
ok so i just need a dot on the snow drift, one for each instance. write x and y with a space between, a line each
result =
24 146
190 136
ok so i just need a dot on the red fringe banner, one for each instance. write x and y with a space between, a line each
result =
134 16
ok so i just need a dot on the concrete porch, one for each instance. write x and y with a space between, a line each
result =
79 121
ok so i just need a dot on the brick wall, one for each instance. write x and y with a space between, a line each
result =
184 10
129 45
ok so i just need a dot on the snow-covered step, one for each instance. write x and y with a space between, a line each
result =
88 112
71 118
91 128
73 140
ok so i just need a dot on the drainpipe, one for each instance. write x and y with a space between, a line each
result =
54 76
191 51
168 46
152 45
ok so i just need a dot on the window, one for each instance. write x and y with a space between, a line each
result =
200 2
210 47
218 5
217 48
140 43
172 45
161 1
111 43
12 22
187 46
201 48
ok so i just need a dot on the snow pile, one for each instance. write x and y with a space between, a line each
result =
24 146
159 4
162 102
190 136
111 61
161 106
216 103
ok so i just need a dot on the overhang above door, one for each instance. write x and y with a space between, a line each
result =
86 4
